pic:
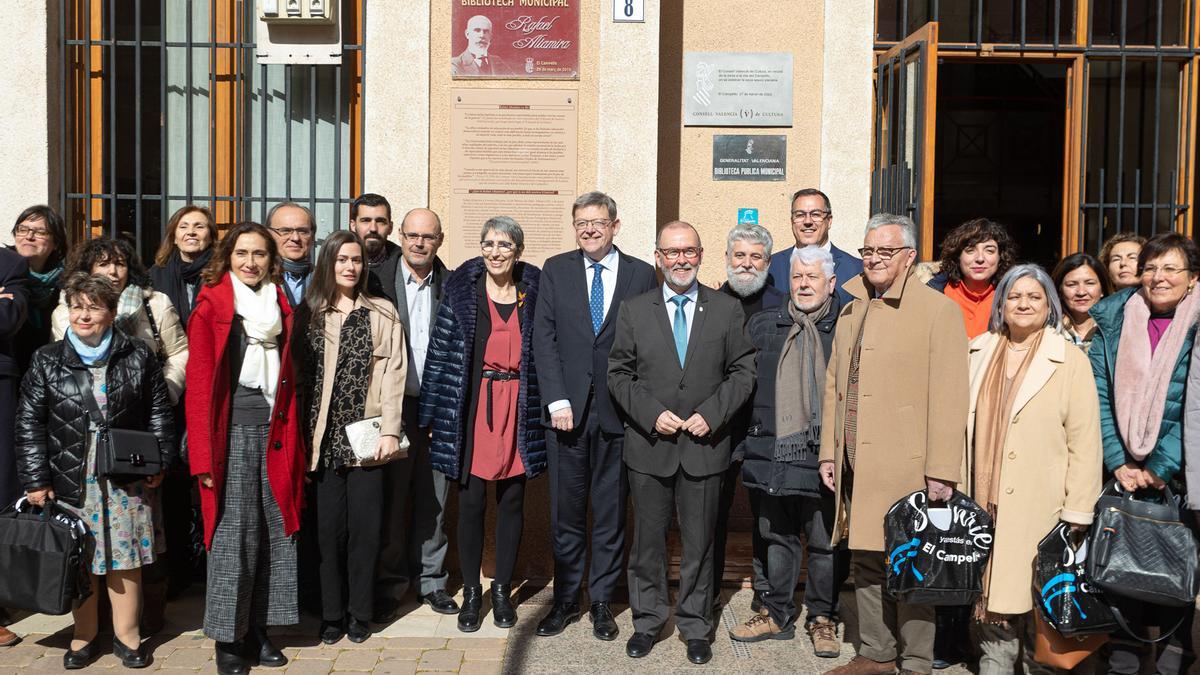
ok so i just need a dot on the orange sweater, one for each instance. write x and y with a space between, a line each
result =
976 307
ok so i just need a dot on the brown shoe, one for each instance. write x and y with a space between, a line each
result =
8 638
861 665
824 635
761 627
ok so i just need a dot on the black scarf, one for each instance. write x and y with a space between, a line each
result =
176 276
351 378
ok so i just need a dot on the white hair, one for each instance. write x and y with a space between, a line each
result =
755 234
814 255
908 229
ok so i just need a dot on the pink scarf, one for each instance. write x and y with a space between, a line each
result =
1141 379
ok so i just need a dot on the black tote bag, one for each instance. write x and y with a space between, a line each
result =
43 554
1064 595
936 556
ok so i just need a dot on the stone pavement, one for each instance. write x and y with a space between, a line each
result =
423 641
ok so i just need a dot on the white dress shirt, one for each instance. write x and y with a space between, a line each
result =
689 308
608 276
420 303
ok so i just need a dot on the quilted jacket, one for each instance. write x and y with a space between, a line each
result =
52 416
446 388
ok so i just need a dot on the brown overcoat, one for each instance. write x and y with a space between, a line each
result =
1052 460
912 401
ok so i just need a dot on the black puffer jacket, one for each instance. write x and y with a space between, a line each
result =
52 415
767 330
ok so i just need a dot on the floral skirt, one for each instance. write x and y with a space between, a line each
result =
120 519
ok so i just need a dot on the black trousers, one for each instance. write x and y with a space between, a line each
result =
655 501
510 520
349 521
587 462
793 525
729 483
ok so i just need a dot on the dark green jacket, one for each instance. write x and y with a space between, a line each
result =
1167 457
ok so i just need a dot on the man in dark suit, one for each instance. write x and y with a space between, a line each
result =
680 368
747 256
414 544
812 216
573 331
475 61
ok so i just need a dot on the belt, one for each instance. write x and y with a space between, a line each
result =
492 376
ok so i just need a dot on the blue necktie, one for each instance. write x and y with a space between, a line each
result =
596 301
680 327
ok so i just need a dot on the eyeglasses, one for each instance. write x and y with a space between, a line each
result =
598 223
289 232
690 253
413 237
816 214
1167 270
884 252
31 232
502 246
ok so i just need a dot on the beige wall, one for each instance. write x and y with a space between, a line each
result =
25 134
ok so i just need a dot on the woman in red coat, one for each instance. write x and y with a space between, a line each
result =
245 448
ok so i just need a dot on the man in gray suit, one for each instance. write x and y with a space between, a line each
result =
680 368
414 543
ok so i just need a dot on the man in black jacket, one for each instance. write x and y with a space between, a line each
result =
680 368
747 255
573 331
294 229
413 542
371 219
13 306
781 449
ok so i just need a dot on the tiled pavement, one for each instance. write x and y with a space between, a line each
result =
423 641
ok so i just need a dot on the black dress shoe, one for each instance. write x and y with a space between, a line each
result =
699 652
561 615
332 631
130 658
260 651
604 626
440 601
358 631
504 615
76 659
386 610
639 645
469 615
231 660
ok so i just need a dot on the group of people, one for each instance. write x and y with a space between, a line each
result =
323 408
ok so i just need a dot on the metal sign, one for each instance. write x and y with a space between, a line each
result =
629 11
757 158
747 217
737 89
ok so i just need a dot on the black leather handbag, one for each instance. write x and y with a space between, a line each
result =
44 555
1141 550
122 455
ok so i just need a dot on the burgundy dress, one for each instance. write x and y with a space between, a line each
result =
494 455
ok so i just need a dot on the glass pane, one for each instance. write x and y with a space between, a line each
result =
1141 21
187 115
958 20
1122 171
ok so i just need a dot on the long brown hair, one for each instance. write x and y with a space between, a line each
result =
220 264
167 247
322 289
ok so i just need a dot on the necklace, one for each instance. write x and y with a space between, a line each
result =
1014 349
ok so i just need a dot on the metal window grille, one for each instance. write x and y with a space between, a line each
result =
162 104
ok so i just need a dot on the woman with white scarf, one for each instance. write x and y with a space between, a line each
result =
245 448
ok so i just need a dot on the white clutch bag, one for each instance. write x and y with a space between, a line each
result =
364 438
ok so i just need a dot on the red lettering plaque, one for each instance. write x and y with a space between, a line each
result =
515 39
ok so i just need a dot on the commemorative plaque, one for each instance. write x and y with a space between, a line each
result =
749 158
515 39
737 89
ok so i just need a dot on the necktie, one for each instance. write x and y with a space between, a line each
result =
680 327
596 299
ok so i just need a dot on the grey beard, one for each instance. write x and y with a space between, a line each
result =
745 288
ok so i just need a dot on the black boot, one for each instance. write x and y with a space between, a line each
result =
230 659
472 607
260 651
504 615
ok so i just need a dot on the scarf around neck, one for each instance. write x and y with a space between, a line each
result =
262 322
297 268
44 283
799 381
130 302
88 354
1141 378
176 276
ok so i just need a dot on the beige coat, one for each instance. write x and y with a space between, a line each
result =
385 392
912 401
174 337
1052 460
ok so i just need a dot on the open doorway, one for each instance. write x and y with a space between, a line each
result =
1000 138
